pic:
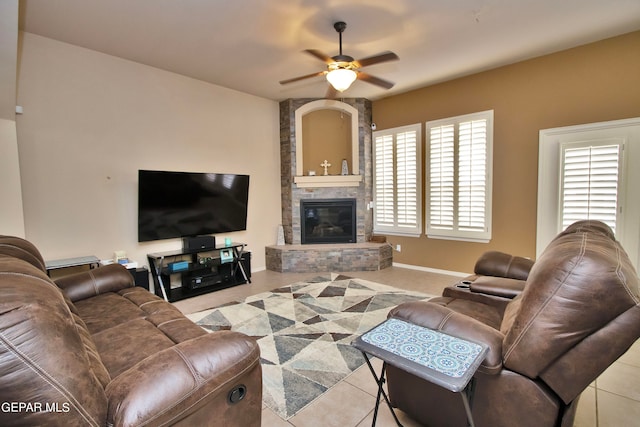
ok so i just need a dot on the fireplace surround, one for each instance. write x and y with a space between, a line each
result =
320 186
294 256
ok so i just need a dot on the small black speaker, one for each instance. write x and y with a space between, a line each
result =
198 243
140 277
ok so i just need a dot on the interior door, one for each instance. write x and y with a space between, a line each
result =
550 178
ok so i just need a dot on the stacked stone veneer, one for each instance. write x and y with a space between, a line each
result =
292 194
339 257
303 258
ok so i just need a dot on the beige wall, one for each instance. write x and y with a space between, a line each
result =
11 215
91 121
592 83
8 57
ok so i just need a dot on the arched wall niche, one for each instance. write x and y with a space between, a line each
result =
335 179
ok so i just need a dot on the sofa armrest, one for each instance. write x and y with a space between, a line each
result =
498 286
440 318
107 278
500 264
192 382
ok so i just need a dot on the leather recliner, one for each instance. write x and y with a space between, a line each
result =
578 312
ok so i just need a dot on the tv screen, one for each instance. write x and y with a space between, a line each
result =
184 204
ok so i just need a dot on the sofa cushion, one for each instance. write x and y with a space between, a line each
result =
124 345
108 310
105 311
120 322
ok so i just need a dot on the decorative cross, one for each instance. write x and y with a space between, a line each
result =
325 165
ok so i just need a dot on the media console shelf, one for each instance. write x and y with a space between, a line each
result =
184 274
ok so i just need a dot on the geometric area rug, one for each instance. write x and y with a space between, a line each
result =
305 331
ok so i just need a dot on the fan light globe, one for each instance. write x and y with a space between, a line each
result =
341 78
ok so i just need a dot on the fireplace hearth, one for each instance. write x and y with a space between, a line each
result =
328 221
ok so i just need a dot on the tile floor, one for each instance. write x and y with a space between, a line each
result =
613 400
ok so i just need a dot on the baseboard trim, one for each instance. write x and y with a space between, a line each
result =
431 270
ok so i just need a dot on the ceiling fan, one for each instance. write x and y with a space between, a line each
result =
343 70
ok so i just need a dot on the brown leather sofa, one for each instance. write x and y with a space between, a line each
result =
93 350
578 312
498 278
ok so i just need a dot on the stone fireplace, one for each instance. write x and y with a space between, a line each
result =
300 186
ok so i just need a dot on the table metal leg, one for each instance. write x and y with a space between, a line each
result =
157 267
238 254
380 381
467 396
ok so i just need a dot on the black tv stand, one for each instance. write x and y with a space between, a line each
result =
196 272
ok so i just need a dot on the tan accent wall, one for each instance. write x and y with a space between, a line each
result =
592 83
327 136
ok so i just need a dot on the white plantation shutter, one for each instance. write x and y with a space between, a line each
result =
590 182
441 177
407 176
459 202
397 186
384 181
472 175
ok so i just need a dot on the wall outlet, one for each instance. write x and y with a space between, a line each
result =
399 248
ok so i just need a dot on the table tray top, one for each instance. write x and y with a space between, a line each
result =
178 252
71 262
442 359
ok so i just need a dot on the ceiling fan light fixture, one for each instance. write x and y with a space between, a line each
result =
343 70
341 78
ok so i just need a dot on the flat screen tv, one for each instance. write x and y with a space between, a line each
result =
185 204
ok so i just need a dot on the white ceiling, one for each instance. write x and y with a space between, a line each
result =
250 45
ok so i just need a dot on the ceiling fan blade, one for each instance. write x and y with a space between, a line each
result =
376 59
321 56
375 80
308 76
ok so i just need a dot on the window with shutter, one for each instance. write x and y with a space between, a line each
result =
397 181
590 182
459 191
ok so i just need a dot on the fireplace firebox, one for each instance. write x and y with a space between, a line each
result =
328 221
